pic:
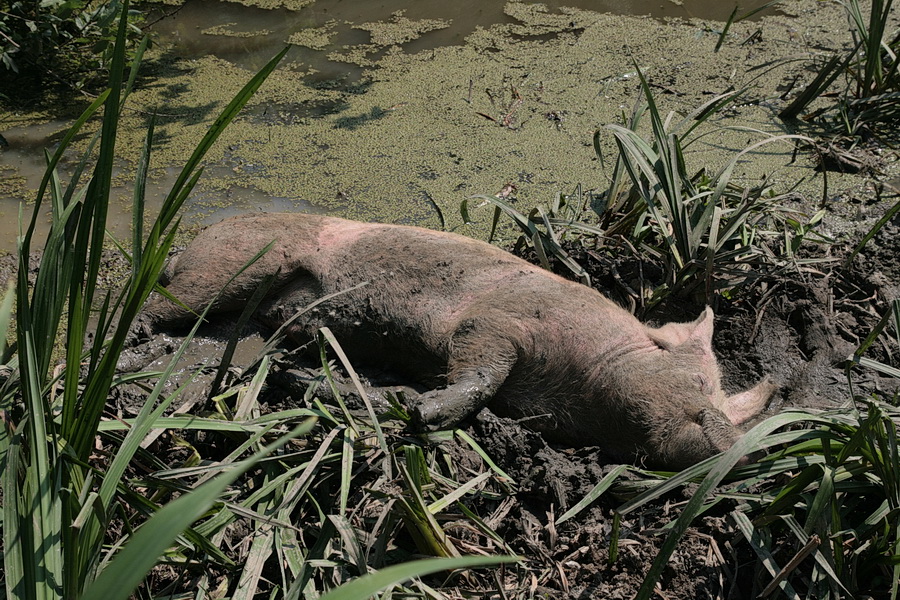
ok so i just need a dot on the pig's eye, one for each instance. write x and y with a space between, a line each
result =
703 381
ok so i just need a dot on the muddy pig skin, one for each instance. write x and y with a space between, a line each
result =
481 327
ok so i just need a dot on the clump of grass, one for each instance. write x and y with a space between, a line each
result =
355 497
871 82
825 523
704 227
546 228
90 512
58 502
707 232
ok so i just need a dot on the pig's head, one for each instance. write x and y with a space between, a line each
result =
689 416
690 348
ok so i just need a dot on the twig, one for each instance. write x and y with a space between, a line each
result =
805 551
164 16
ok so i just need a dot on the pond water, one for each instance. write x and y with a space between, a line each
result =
247 36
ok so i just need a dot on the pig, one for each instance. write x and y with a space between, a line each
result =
479 327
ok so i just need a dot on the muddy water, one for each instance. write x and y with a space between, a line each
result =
384 115
249 36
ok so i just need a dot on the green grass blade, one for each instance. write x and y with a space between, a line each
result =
484 528
895 584
422 525
484 456
136 60
725 28
248 397
137 211
44 561
246 314
787 496
352 546
818 518
92 224
195 423
879 13
276 338
347 455
342 356
521 220
761 547
17 545
701 114
758 9
6 309
145 418
892 211
812 545
826 76
261 549
57 156
879 366
457 493
349 419
595 493
367 586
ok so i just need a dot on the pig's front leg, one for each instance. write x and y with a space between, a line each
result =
476 371
446 407
688 441
712 430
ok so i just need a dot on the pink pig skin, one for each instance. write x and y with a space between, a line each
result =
482 326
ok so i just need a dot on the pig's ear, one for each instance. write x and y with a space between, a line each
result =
673 335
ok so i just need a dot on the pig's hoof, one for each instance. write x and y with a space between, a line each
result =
140 332
423 417
429 412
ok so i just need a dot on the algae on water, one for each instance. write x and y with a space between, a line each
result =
399 29
227 29
315 38
412 134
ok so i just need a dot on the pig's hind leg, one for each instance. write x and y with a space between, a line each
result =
478 366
